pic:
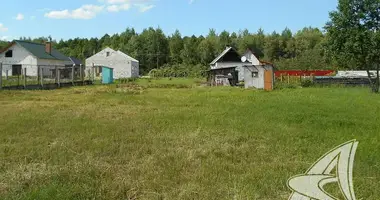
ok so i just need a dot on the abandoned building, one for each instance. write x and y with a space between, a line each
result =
230 68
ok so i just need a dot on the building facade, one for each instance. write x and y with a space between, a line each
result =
123 65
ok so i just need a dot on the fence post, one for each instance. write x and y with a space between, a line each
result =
56 74
81 74
288 78
58 77
1 75
25 78
41 78
72 74
93 73
6 74
38 74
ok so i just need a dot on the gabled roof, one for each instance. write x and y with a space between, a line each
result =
221 55
38 50
75 61
261 61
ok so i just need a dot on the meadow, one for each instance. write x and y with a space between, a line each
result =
174 139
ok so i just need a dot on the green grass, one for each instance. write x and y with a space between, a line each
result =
150 142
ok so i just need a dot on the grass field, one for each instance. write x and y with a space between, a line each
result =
172 140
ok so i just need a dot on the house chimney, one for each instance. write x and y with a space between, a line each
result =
48 47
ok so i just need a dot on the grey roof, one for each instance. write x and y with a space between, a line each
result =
38 50
75 61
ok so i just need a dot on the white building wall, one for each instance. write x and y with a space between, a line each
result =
20 57
123 66
255 82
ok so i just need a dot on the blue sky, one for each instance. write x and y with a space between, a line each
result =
94 18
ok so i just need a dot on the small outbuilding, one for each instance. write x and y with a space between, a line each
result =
123 65
257 74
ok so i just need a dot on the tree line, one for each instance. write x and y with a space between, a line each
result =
301 50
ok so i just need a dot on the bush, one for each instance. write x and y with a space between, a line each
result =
307 83
127 80
179 71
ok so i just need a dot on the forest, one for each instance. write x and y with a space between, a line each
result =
303 50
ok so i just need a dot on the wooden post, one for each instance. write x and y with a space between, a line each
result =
81 74
93 73
281 77
58 77
41 78
24 78
56 74
6 74
288 78
38 74
1 76
72 74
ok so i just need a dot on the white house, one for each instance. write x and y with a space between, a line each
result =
123 65
20 55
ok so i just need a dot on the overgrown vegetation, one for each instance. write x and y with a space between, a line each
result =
132 141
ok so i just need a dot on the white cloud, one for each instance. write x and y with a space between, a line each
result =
84 12
117 8
7 38
144 7
3 28
19 16
115 1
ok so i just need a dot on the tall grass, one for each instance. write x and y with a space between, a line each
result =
188 143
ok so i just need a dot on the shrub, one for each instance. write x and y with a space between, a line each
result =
307 83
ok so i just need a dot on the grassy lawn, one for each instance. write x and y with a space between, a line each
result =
167 142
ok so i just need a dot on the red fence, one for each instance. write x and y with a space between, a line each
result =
304 73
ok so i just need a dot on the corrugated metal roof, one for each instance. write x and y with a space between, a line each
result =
38 50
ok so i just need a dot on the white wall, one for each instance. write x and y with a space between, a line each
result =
122 65
20 57
256 82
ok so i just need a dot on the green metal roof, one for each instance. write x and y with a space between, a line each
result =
38 50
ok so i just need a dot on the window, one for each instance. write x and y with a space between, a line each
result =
16 70
9 54
255 74
108 53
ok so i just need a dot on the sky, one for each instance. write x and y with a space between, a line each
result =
94 18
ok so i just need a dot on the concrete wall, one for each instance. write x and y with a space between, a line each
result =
122 65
